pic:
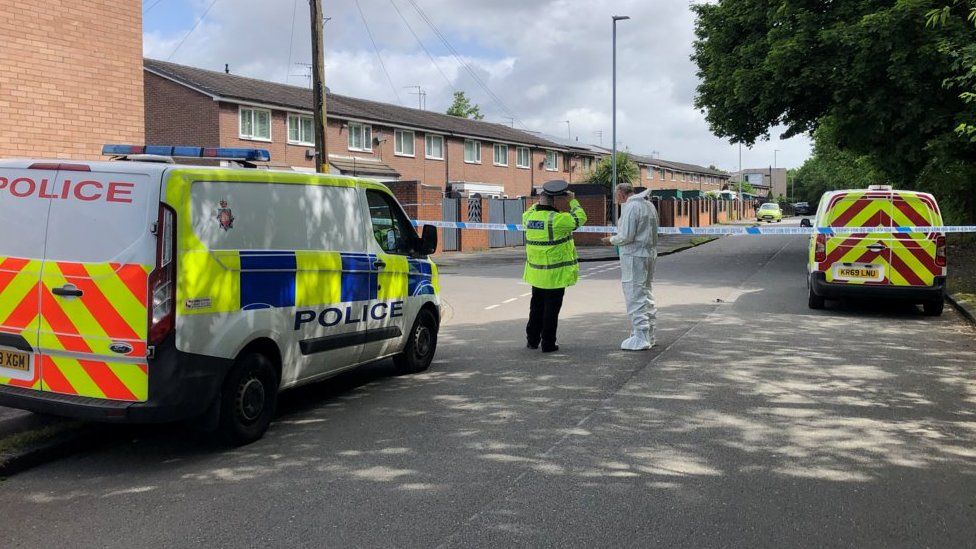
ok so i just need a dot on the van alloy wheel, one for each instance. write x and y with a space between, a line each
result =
421 345
250 399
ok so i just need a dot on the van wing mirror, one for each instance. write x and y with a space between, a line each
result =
428 240
805 222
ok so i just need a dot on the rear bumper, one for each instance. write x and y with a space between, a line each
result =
181 386
829 290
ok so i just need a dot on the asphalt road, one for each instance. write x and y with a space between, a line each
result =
755 422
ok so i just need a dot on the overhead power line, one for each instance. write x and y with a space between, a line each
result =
291 41
422 46
457 56
378 56
200 20
149 9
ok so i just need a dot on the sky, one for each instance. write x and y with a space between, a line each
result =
539 62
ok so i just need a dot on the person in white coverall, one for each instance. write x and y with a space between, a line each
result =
637 239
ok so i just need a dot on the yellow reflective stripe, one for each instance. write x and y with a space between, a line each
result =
15 292
392 279
72 371
319 278
119 295
85 323
435 279
215 276
132 376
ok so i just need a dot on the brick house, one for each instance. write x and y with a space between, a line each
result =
191 106
661 174
70 77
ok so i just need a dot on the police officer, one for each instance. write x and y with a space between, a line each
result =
551 263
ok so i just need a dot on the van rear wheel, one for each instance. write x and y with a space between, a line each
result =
248 400
814 301
934 307
421 345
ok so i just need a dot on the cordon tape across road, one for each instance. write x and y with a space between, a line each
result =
721 230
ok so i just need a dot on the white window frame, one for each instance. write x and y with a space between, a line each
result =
240 125
586 163
494 154
427 140
398 140
555 161
477 151
300 117
518 158
362 129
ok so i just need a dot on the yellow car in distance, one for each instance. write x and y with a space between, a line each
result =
769 212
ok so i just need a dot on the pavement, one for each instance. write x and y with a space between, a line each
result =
754 422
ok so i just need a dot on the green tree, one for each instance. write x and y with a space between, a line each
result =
830 168
627 171
463 108
870 69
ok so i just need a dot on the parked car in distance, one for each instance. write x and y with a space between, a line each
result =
802 208
769 212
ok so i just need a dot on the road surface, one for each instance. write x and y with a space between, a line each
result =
755 422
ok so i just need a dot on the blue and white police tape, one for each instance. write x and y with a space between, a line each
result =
720 230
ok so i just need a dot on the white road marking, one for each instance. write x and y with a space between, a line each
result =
510 300
490 307
527 294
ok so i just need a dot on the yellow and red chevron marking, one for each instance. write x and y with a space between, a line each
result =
19 295
909 258
75 334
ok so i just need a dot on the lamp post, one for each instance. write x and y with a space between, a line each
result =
613 191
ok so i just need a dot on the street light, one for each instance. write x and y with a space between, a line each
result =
613 191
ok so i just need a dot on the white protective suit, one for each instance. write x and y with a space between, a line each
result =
637 239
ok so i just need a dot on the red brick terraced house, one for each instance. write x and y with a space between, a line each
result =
192 106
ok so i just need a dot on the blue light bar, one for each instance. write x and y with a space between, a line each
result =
217 153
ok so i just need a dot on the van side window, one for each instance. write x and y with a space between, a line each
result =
391 228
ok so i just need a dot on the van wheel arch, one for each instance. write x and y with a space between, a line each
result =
268 348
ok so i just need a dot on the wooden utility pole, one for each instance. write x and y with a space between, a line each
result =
318 86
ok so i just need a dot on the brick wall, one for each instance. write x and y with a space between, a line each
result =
177 115
70 76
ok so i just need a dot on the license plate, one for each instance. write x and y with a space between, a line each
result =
15 360
868 273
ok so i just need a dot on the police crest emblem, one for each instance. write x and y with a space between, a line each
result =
225 217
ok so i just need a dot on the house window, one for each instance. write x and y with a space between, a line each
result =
522 157
403 143
300 130
587 163
472 151
673 176
501 155
552 161
360 137
435 147
255 124
660 174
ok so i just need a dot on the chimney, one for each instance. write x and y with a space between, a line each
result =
226 68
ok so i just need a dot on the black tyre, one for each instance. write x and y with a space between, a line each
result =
421 345
934 307
248 400
814 301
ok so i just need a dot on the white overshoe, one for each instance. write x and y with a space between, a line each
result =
635 343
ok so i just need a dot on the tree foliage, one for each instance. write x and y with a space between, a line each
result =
627 171
463 108
889 79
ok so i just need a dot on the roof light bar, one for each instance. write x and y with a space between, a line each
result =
250 155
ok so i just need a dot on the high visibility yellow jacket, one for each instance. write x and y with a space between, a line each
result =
551 261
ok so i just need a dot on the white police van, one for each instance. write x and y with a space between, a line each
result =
142 290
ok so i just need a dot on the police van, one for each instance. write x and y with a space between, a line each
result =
141 290
901 265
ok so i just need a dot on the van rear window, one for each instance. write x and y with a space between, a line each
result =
266 216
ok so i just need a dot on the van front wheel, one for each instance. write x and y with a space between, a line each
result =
421 345
248 400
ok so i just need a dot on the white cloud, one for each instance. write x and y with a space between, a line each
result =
548 61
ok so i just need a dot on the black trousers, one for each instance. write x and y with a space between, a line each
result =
544 316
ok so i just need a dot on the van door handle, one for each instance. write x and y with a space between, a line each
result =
379 264
68 290
877 247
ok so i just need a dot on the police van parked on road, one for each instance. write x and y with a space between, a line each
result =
141 290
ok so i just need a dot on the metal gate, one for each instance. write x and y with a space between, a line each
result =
451 211
508 211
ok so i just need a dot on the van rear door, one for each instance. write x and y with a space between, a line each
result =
23 227
864 257
913 255
94 297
